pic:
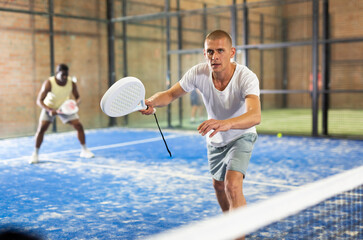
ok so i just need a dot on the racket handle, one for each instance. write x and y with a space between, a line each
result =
147 107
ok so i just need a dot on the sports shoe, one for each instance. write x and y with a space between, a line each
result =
85 153
34 158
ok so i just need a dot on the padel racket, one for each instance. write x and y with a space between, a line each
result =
125 96
69 107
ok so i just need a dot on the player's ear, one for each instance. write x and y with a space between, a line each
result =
233 52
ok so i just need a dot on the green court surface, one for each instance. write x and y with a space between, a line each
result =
341 122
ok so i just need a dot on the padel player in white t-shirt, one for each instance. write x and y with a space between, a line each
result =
230 93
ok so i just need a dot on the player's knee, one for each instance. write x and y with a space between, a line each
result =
233 188
218 186
77 125
42 128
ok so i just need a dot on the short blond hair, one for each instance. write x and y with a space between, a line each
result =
219 34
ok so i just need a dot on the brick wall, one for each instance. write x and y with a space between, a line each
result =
25 57
346 58
25 61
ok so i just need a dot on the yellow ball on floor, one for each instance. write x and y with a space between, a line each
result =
279 135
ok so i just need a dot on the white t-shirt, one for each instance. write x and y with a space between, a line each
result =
225 104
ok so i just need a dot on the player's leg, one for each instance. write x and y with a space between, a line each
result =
217 168
81 137
229 193
80 131
44 121
234 189
219 188
39 135
239 157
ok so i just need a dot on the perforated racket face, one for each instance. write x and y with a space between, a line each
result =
69 107
123 97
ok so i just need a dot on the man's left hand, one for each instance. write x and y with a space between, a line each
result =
213 124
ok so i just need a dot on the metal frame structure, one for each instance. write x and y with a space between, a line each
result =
325 42
315 64
111 49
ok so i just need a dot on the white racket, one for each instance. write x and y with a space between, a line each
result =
125 96
69 107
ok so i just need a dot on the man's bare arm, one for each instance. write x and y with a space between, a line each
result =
163 98
46 87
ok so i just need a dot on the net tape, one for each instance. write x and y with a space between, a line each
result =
334 203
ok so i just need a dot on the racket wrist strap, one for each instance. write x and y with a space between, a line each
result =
162 135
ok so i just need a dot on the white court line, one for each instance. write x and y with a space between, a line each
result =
173 174
155 139
271 184
130 169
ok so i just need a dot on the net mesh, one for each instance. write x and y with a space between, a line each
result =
328 209
339 217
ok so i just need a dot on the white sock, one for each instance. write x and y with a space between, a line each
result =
36 151
84 147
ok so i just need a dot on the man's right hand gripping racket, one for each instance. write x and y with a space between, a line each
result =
125 96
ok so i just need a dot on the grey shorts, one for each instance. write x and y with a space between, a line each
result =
234 156
45 116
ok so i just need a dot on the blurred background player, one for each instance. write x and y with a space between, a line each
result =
55 90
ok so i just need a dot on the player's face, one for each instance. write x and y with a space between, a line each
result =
62 76
218 53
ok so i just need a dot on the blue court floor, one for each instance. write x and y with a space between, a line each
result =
133 189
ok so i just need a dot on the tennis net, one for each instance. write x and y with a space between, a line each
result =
327 209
